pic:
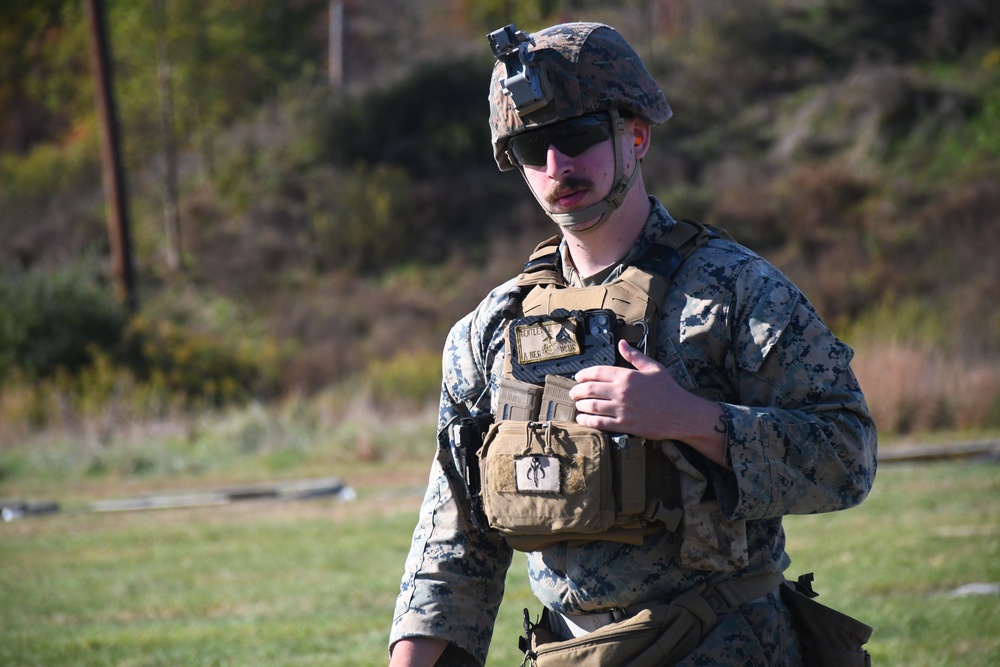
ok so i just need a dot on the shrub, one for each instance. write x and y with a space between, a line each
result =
913 388
361 221
431 122
54 321
408 377
197 367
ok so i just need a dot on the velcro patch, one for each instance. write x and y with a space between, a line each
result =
537 474
546 340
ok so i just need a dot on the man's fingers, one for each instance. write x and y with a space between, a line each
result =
597 374
594 406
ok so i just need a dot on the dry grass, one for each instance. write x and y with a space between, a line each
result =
913 388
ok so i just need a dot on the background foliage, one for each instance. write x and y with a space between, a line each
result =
333 235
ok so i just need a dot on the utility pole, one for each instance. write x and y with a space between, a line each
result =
115 195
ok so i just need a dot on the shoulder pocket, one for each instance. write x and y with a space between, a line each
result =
762 326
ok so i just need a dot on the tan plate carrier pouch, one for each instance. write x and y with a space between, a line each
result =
547 481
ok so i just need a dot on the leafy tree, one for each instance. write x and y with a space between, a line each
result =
430 123
44 84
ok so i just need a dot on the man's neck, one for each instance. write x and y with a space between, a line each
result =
596 249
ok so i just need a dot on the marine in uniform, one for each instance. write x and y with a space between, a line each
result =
659 474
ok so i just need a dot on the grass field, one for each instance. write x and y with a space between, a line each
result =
313 582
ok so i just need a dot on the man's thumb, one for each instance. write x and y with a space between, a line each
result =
639 361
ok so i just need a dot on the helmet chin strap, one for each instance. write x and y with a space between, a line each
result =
603 209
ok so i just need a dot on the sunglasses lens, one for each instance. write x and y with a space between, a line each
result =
529 149
570 138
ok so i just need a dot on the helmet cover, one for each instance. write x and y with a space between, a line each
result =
584 68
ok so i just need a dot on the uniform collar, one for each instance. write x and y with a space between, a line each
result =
657 224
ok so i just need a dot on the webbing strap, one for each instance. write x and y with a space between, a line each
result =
728 595
705 603
545 256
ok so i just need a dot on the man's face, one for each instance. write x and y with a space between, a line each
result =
564 169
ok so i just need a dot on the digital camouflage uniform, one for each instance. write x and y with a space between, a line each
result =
732 330
799 440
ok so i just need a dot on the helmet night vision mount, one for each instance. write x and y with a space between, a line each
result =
525 82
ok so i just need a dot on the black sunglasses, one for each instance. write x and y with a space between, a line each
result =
570 137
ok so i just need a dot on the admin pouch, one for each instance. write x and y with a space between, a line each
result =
553 481
558 472
650 637
828 638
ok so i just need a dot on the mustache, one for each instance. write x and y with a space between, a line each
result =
569 184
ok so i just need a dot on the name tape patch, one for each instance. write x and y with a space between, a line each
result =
546 340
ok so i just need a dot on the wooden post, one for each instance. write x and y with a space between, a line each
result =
115 196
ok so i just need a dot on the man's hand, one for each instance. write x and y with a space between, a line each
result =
648 402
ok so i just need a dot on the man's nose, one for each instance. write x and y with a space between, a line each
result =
556 162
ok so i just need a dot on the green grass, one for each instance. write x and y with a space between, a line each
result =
257 588
313 583
893 562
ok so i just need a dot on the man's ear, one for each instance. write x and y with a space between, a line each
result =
641 134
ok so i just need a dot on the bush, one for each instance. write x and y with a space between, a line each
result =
54 321
407 378
71 359
198 367
431 122
360 221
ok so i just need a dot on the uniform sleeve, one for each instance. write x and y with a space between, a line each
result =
800 439
454 575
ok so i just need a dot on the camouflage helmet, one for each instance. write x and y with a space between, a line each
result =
582 68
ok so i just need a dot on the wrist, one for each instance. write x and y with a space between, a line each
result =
703 426
416 651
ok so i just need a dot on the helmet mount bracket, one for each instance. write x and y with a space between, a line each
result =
525 82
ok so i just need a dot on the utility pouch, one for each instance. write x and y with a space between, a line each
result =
661 635
828 638
652 636
547 478
628 458
466 441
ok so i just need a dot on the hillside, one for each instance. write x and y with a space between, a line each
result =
337 236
